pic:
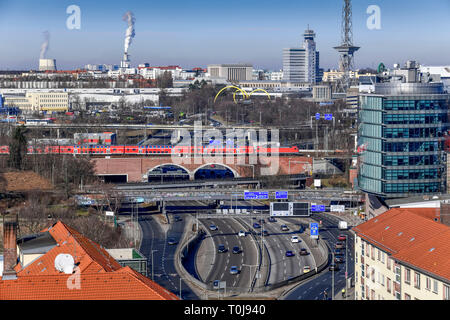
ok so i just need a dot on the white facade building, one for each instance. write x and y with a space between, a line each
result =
231 72
403 254
302 64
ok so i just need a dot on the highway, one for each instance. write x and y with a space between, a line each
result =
227 236
155 239
314 288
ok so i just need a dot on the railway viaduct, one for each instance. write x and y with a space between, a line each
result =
136 169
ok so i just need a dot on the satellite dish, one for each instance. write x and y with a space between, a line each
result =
64 263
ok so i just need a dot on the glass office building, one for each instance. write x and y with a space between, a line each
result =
403 126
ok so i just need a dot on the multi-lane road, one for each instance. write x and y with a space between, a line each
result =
281 267
315 288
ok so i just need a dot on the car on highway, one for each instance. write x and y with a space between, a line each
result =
289 253
284 227
234 270
342 237
171 241
339 259
213 227
221 248
333 267
306 269
236 250
256 225
303 252
339 245
295 239
338 252
242 233
271 219
265 233
262 221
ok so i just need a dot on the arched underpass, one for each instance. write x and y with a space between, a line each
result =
214 171
167 172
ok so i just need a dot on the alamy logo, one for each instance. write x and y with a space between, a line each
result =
374 20
238 147
74 281
74 20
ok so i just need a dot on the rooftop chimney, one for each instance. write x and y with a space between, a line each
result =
10 250
445 212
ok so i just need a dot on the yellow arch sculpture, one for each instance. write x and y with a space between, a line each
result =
227 87
260 90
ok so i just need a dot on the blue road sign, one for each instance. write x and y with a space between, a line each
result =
317 116
328 116
317 208
281 195
256 195
314 227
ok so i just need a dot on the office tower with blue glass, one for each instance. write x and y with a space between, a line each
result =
402 128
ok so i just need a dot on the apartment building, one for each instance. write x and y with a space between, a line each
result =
403 254
39 101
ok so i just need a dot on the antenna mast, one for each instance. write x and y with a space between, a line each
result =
346 49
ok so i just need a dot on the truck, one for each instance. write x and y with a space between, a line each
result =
342 225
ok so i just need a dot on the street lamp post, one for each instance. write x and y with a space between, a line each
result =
153 270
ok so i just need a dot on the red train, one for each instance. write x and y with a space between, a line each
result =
152 149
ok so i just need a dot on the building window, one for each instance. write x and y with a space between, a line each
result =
379 255
362 248
388 285
368 249
362 270
362 292
372 252
382 257
407 296
388 265
397 295
397 274
407 276
416 280
428 284
446 292
367 268
435 286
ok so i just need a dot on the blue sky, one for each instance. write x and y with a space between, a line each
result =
196 33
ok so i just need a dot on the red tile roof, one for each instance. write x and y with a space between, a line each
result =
124 284
101 276
411 236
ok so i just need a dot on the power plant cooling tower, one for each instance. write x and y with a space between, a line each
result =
47 65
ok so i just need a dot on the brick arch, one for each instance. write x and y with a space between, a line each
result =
170 164
235 173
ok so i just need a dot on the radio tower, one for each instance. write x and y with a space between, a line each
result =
346 49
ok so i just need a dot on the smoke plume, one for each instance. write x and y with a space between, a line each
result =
44 46
129 18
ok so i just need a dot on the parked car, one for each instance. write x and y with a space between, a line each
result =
339 259
234 270
213 227
289 253
339 245
333 267
284 227
271 219
256 225
172 241
342 237
303 252
236 250
221 248
242 233
338 252
294 239
306 269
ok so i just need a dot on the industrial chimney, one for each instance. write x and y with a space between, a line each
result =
10 249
